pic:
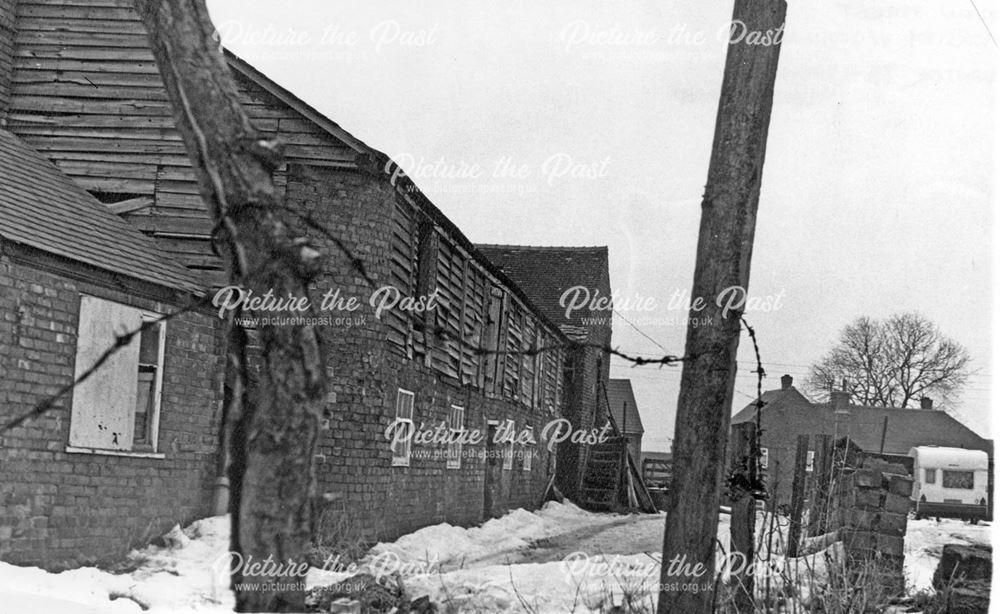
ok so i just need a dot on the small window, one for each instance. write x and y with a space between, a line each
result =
810 460
508 457
763 458
117 407
529 449
456 425
404 424
962 480
930 476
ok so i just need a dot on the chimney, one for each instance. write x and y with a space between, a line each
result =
840 399
926 403
786 381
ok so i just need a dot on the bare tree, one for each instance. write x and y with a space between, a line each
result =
273 438
892 362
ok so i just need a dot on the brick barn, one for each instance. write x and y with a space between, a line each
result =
547 274
80 90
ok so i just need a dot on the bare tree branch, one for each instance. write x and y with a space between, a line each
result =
893 362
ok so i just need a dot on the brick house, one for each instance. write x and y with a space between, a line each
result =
132 450
546 274
886 431
79 85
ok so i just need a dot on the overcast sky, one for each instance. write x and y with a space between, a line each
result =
590 123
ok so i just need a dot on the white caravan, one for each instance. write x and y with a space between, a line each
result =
950 482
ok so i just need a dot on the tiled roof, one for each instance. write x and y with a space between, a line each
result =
790 412
545 273
44 209
623 406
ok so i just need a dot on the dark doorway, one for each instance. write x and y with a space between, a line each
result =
492 477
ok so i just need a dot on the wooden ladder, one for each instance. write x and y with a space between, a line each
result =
602 478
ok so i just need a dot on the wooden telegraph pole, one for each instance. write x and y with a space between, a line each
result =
725 242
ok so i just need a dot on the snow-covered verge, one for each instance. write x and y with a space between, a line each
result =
925 540
557 559
177 577
496 540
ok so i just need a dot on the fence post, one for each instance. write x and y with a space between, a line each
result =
743 476
798 496
820 512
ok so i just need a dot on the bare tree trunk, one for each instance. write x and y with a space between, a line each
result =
233 162
725 242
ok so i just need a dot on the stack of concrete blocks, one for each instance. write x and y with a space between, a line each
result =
873 502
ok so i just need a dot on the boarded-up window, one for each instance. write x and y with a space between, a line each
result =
450 292
528 361
957 479
426 284
456 424
402 274
118 406
492 369
514 355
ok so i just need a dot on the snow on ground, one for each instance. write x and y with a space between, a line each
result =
498 540
926 538
174 578
558 559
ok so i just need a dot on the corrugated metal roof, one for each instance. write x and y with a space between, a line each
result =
43 208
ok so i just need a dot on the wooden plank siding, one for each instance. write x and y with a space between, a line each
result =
6 52
85 91
463 286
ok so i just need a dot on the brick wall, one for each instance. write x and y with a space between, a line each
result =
871 506
365 495
60 509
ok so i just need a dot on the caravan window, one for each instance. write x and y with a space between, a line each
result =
930 476
957 479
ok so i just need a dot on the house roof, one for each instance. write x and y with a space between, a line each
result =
786 397
623 407
791 412
904 428
545 273
42 208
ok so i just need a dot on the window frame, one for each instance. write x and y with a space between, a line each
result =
508 457
955 472
149 448
529 450
403 460
933 473
764 457
153 421
454 449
